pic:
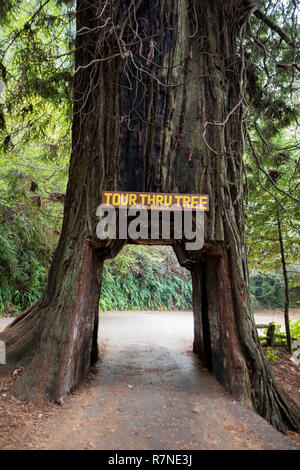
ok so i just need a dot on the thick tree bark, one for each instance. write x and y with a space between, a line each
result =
157 107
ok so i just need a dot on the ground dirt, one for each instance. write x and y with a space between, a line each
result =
147 392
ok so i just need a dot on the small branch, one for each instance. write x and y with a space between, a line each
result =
283 66
265 19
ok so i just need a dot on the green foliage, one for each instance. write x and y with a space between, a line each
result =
35 123
272 142
36 65
26 243
23 254
271 355
295 329
271 84
6 7
267 290
145 278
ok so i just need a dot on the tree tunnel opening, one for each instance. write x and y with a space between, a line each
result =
216 339
149 277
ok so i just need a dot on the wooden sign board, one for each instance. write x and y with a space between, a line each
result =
161 201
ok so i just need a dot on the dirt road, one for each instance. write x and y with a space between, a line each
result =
150 392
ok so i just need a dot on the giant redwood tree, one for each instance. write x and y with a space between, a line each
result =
159 105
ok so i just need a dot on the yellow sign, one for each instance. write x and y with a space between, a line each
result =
125 199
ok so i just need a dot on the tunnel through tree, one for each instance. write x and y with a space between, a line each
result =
158 106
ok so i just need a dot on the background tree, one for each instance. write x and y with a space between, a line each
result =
273 145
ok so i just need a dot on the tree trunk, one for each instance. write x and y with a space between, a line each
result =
157 107
286 287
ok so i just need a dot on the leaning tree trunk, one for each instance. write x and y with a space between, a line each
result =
157 107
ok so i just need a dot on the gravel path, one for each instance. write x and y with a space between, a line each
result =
151 392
